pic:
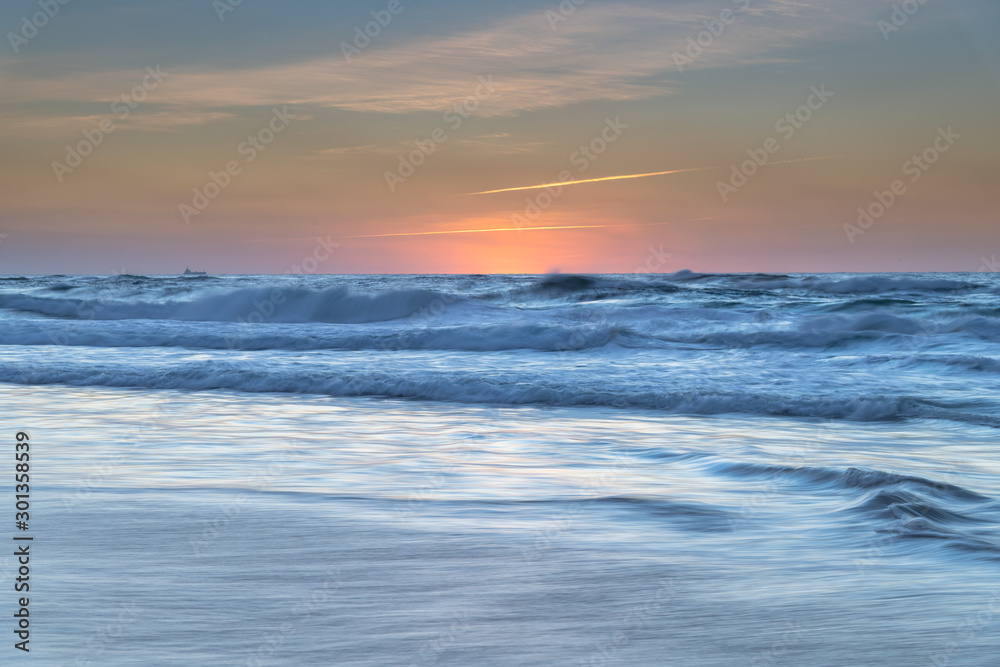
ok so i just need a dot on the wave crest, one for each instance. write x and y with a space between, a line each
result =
277 304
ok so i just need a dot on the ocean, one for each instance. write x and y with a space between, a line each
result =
663 469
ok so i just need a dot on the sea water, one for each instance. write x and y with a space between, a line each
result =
681 469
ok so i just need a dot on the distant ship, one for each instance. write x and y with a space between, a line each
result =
189 272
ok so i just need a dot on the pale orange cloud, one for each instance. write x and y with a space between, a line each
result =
533 65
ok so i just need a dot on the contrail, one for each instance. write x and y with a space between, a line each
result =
519 229
474 231
617 178
589 180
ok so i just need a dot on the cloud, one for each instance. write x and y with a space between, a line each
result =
613 52
346 150
62 126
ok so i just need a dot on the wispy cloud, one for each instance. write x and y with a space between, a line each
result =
349 150
602 52
491 230
58 126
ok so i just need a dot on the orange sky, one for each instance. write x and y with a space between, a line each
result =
230 156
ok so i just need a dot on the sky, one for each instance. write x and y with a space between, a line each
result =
393 136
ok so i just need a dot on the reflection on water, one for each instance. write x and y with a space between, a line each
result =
225 528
